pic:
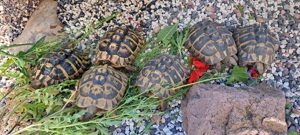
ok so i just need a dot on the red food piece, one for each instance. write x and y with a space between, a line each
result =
201 67
193 78
254 73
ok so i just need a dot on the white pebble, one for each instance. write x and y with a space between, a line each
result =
284 42
1 8
166 129
179 118
141 128
298 51
286 84
273 69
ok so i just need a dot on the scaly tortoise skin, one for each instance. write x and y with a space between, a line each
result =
58 66
100 90
159 73
212 43
256 46
119 47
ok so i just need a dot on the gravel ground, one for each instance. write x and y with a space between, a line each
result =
148 16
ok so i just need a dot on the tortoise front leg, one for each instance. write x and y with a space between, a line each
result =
91 112
163 105
131 68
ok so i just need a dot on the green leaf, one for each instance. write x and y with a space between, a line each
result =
6 65
167 33
79 114
292 133
288 105
238 74
253 82
36 45
20 54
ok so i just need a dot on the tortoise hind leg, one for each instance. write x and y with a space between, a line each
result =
230 61
91 112
218 66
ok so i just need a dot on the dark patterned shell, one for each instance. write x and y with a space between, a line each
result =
161 72
119 47
255 44
102 87
210 42
58 66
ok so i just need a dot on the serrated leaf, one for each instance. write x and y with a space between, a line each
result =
49 108
67 119
167 33
238 74
79 114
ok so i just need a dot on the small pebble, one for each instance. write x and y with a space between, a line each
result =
163 120
260 19
297 15
156 29
210 9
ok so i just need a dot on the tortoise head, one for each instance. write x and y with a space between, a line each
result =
36 84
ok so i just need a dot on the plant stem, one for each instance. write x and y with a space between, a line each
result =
202 81
8 55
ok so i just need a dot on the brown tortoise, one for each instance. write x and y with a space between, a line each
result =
256 46
119 47
212 43
160 75
100 90
58 66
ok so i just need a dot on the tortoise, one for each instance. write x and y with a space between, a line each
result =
119 47
58 66
212 43
160 74
100 90
256 46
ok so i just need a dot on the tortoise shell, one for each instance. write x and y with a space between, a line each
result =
161 72
58 66
210 42
102 87
255 44
119 47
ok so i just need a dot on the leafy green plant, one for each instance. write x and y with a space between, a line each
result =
180 39
171 35
240 8
288 106
251 18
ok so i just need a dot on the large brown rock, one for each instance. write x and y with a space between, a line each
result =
217 110
42 22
